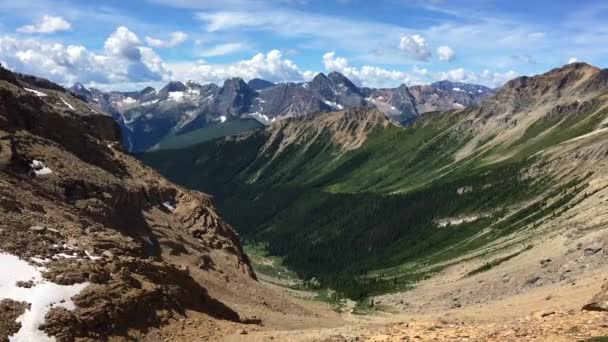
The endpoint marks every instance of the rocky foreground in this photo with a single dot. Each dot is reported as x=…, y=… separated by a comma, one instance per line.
x=93, y=244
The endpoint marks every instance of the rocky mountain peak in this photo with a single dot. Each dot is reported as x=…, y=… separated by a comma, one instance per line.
x=259, y=84
x=319, y=80
x=147, y=90
x=340, y=79
x=174, y=86
x=193, y=84
x=234, y=83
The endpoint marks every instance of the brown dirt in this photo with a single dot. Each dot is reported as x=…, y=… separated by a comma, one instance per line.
x=10, y=310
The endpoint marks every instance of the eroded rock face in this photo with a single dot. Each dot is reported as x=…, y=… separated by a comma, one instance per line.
x=102, y=218
x=599, y=302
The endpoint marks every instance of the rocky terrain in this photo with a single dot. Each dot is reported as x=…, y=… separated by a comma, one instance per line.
x=149, y=115
x=94, y=245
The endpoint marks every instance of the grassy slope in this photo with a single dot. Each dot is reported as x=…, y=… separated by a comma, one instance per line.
x=207, y=133
x=338, y=216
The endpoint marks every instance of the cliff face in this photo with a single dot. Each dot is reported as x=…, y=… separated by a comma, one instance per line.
x=74, y=202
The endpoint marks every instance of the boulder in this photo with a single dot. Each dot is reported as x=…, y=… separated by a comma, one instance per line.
x=593, y=248
x=599, y=302
x=38, y=229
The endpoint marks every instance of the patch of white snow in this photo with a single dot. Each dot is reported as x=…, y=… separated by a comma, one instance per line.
x=66, y=103
x=41, y=296
x=129, y=100
x=176, y=95
x=35, y=92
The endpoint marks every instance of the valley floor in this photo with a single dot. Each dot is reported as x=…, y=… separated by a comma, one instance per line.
x=548, y=313
x=535, y=296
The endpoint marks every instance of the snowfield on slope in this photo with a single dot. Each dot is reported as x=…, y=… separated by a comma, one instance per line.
x=41, y=296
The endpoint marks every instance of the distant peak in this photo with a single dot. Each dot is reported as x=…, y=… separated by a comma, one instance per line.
x=259, y=84
x=335, y=74
x=192, y=84
x=147, y=90
x=79, y=86
x=320, y=76
x=234, y=81
x=174, y=86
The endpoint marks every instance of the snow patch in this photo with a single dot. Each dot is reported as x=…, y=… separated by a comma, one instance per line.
x=129, y=100
x=456, y=221
x=66, y=103
x=222, y=119
x=333, y=104
x=169, y=206
x=91, y=256
x=192, y=91
x=261, y=118
x=41, y=296
x=176, y=95
x=456, y=89
x=37, y=169
x=149, y=103
x=35, y=92
x=458, y=105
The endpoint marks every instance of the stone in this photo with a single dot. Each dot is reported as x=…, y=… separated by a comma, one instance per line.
x=593, y=248
x=38, y=229
x=533, y=280
x=54, y=231
x=108, y=255
x=599, y=302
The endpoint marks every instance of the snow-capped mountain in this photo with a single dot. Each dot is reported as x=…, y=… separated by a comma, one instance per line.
x=148, y=115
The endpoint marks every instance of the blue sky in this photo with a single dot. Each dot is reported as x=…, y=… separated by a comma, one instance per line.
x=383, y=43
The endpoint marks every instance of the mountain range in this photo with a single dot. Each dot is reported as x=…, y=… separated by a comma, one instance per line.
x=155, y=118
x=368, y=206
x=449, y=219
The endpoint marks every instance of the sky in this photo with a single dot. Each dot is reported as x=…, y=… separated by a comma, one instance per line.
x=126, y=45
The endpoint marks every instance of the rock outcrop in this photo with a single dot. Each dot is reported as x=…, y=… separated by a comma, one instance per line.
x=599, y=302
x=103, y=218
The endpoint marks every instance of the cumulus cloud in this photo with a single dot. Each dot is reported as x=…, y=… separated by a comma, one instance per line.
x=370, y=76
x=271, y=66
x=416, y=46
x=487, y=77
x=123, y=61
x=446, y=53
x=175, y=39
x=47, y=24
x=123, y=43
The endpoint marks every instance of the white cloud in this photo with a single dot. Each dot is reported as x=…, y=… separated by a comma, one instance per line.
x=175, y=39
x=223, y=49
x=271, y=66
x=370, y=76
x=320, y=30
x=487, y=77
x=123, y=43
x=47, y=24
x=416, y=46
x=446, y=53
x=123, y=62
x=572, y=60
